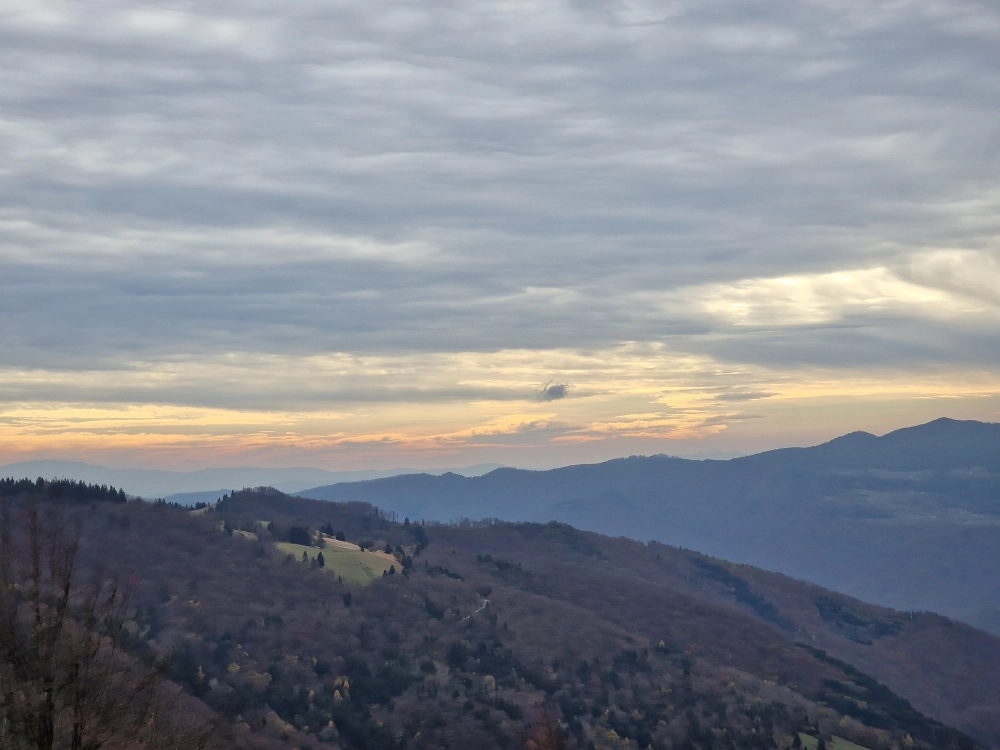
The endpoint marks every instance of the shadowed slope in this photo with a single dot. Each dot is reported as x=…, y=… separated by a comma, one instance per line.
x=911, y=519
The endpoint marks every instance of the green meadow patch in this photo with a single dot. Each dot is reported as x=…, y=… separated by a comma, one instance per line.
x=354, y=566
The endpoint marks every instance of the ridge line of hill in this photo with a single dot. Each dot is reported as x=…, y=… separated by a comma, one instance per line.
x=909, y=519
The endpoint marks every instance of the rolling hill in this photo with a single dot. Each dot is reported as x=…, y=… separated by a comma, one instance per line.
x=910, y=520
x=506, y=635
x=554, y=594
x=205, y=485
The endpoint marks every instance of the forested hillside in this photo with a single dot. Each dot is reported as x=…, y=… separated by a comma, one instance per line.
x=910, y=520
x=519, y=635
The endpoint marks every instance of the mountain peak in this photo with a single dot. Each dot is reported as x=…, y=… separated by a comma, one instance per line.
x=858, y=436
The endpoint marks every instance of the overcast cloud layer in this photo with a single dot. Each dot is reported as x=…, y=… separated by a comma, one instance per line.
x=285, y=229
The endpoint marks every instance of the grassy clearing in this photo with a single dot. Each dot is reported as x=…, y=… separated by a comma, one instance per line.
x=330, y=541
x=837, y=743
x=353, y=565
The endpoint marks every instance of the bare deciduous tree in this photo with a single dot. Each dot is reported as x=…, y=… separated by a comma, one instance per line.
x=66, y=682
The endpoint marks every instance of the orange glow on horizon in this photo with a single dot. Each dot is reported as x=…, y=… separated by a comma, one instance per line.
x=637, y=396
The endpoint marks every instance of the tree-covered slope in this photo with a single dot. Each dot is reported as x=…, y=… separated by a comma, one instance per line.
x=518, y=635
x=910, y=519
x=556, y=596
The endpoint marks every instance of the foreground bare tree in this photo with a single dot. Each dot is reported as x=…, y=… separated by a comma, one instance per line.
x=65, y=680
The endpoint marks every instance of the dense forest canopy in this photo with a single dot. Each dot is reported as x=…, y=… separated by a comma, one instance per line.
x=308, y=624
x=61, y=490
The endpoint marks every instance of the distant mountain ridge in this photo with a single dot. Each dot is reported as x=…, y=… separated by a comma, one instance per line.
x=941, y=444
x=910, y=519
x=192, y=486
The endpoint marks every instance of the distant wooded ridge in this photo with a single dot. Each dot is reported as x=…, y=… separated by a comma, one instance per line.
x=61, y=490
x=910, y=520
x=189, y=487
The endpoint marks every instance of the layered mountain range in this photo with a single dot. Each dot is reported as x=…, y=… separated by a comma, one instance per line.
x=910, y=520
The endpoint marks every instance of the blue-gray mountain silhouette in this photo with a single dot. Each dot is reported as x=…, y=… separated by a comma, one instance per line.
x=910, y=519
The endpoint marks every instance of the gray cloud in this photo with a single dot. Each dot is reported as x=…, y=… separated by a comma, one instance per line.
x=553, y=391
x=495, y=180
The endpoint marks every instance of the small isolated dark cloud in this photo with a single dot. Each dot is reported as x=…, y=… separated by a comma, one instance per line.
x=553, y=391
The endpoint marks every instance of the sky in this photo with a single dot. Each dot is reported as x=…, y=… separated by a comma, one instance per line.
x=431, y=233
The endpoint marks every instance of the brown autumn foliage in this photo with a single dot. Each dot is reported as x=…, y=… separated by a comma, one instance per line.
x=545, y=735
x=486, y=628
x=65, y=678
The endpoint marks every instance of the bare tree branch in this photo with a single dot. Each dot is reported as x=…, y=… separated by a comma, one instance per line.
x=66, y=681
